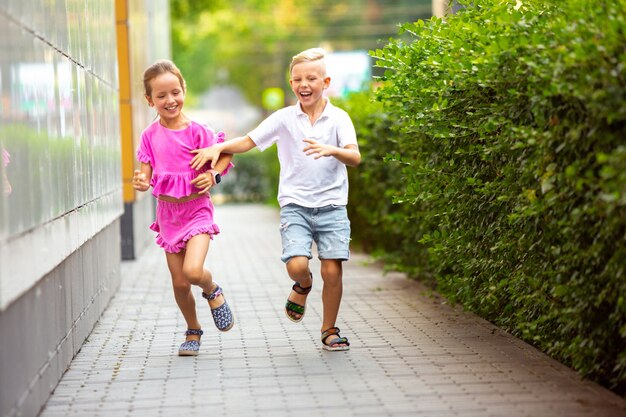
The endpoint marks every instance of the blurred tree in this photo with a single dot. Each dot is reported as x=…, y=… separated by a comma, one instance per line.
x=249, y=43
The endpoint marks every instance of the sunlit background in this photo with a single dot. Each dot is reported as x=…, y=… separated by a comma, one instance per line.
x=246, y=46
x=72, y=111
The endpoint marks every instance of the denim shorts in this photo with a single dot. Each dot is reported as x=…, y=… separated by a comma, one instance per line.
x=327, y=226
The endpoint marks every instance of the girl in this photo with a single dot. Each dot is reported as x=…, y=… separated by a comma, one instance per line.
x=184, y=217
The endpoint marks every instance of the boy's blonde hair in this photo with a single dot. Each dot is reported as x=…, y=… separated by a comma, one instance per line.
x=313, y=54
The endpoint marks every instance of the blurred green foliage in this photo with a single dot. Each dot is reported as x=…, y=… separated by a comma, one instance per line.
x=254, y=179
x=503, y=130
x=249, y=43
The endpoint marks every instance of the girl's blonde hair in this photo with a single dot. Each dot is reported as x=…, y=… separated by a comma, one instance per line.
x=161, y=67
x=313, y=54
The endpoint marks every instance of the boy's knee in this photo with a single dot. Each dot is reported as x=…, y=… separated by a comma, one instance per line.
x=298, y=265
x=332, y=272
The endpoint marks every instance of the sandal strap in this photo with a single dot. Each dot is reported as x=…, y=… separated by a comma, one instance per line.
x=216, y=293
x=302, y=290
x=295, y=308
x=194, y=332
x=330, y=332
x=334, y=331
x=338, y=341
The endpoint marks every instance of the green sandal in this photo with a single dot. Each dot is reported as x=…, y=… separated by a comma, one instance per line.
x=335, y=344
x=291, y=307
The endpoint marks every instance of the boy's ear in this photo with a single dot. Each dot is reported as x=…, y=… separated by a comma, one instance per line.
x=326, y=82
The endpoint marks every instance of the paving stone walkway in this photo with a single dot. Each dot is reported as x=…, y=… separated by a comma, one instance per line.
x=411, y=355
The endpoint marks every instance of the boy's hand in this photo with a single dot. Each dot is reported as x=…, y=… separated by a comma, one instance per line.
x=140, y=182
x=204, y=182
x=318, y=149
x=204, y=155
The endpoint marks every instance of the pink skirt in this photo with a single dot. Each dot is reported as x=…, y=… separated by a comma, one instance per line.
x=176, y=223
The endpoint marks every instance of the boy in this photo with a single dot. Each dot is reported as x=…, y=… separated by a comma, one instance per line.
x=316, y=141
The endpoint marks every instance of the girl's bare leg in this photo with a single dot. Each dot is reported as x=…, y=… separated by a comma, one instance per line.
x=182, y=291
x=193, y=267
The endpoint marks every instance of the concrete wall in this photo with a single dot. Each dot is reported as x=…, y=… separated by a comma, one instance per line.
x=61, y=195
x=71, y=111
x=44, y=328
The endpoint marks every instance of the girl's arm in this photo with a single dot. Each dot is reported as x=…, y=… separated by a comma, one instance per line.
x=142, y=176
x=222, y=162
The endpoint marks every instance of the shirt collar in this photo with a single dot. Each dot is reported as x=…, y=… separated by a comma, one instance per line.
x=300, y=112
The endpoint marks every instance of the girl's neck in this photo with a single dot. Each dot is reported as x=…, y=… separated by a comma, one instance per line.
x=179, y=123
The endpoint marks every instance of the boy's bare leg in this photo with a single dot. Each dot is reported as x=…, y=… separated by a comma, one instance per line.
x=182, y=292
x=332, y=272
x=298, y=271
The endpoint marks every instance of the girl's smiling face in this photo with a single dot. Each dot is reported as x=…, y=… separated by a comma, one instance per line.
x=167, y=96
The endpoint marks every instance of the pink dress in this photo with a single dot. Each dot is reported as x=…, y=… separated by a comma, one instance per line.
x=168, y=153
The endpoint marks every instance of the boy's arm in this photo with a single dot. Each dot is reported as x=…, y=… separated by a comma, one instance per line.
x=212, y=153
x=206, y=180
x=348, y=155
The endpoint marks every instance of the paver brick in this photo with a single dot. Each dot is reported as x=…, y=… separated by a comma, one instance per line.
x=412, y=354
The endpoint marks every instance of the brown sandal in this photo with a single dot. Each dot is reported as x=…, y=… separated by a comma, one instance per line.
x=291, y=307
x=335, y=344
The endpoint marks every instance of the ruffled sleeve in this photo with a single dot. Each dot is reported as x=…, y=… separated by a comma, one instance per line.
x=144, y=152
x=209, y=138
x=219, y=138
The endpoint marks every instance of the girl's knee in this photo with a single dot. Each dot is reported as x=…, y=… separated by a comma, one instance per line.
x=181, y=286
x=194, y=275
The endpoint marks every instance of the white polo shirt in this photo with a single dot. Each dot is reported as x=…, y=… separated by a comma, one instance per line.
x=304, y=180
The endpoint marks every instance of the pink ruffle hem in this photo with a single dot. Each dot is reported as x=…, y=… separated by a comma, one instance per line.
x=211, y=230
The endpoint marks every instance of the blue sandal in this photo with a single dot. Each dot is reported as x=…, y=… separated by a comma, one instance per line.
x=191, y=347
x=222, y=316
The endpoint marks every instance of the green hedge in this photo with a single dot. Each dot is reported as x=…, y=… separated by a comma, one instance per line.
x=504, y=129
x=254, y=178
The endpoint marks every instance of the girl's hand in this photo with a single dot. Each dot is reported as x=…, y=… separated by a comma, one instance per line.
x=318, y=149
x=204, y=182
x=140, y=182
x=204, y=155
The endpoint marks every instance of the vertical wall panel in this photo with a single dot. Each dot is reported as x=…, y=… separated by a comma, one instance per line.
x=61, y=188
x=61, y=135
